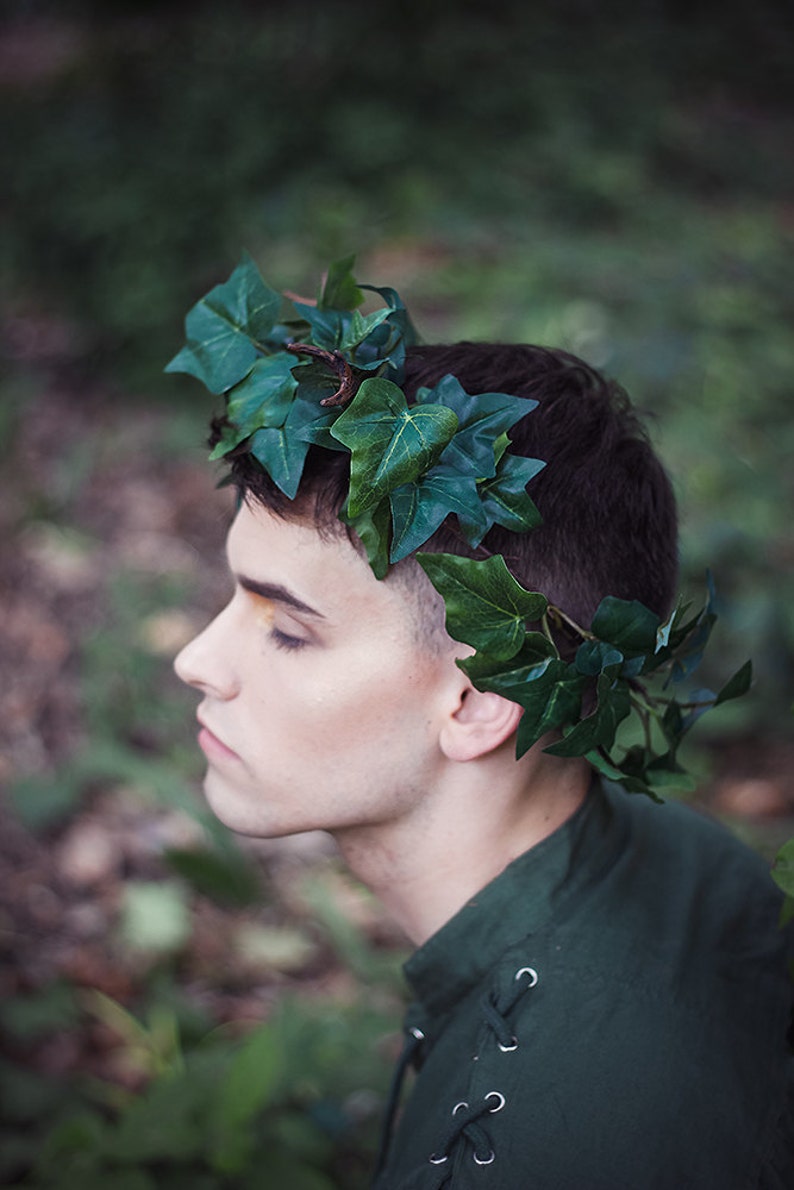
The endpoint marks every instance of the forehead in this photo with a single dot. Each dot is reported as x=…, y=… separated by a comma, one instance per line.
x=325, y=572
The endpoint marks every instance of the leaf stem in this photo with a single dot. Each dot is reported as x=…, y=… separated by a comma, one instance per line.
x=564, y=618
x=337, y=362
x=642, y=699
x=644, y=712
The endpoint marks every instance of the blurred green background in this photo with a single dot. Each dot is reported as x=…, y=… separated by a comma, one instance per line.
x=612, y=178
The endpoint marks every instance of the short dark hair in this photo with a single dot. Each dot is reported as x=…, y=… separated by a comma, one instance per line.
x=609, y=516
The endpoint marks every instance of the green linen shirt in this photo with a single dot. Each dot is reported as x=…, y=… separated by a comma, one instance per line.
x=610, y=1013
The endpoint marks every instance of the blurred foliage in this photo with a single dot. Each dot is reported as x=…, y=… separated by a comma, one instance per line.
x=611, y=178
x=294, y=1103
x=161, y=139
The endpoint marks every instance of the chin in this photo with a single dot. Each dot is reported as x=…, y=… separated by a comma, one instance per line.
x=237, y=813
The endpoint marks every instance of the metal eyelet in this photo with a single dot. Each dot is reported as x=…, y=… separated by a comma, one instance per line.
x=508, y=1049
x=437, y=1160
x=495, y=1095
x=531, y=972
x=457, y=1107
x=417, y=1033
x=490, y=1159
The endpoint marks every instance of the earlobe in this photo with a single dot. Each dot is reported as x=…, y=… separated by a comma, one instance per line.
x=481, y=724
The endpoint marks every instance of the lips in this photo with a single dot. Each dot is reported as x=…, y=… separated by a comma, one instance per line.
x=212, y=746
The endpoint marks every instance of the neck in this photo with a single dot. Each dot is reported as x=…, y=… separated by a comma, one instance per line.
x=482, y=814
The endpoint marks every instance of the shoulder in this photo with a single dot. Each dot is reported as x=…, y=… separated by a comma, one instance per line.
x=655, y=1037
x=621, y=1077
x=677, y=875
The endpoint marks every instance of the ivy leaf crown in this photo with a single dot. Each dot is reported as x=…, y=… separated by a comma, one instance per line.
x=295, y=373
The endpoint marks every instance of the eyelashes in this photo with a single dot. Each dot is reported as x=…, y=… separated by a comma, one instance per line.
x=265, y=612
x=283, y=641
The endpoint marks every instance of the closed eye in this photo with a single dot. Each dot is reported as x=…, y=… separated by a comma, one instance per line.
x=283, y=640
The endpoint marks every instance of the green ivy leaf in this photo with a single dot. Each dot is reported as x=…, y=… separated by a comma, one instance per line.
x=663, y=634
x=391, y=339
x=390, y=442
x=281, y=457
x=688, y=639
x=361, y=328
x=689, y=658
x=418, y=509
x=634, y=666
x=507, y=677
x=736, y=686
x=595, y=657
x=282, y=333
x=679, y=626
x=482, y=420
x=698, y=702
x=486, y=607
x=626, y=624
x=372, y=528
x=310, y=422
x=505, y=499
x=549, y=690
x=673, y=778
x=264, y=396
x=282, y=450
x=327, y=328
x=641, y=764
x=477, y=452
x=262, y=399
x=679, y=717
x=230, y=437
x=340, y=291
x=630, y=782
x=598, y=729
x=551, y=700
x=226, y=327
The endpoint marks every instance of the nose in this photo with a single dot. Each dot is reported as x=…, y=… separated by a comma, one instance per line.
x=206, y=662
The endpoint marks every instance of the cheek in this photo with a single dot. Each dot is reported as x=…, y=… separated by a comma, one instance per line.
x=340, y=700
x=368, y=705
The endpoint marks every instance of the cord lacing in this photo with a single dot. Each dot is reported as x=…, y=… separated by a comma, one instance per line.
x=495, y=1008
x=465, y=1117
x=494, y=1018
x=465, y=1124
x=413, y=1040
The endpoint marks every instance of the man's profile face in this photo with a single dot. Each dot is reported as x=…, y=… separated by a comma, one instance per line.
x=321, y=708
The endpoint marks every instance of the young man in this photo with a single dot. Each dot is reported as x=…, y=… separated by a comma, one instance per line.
x=600, y=992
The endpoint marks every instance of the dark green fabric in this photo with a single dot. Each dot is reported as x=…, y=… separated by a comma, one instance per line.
x=651, y=1050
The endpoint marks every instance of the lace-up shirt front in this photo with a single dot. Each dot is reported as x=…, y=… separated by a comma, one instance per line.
x=610, y=1013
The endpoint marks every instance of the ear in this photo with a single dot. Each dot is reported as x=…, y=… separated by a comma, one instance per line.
x=481, y=724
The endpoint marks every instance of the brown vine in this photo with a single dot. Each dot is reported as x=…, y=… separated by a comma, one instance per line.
x=348, y=386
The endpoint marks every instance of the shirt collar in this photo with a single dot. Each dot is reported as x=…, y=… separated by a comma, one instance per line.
x=516, y=903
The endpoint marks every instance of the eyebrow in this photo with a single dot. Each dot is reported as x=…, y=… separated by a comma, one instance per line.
x=278, y=594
